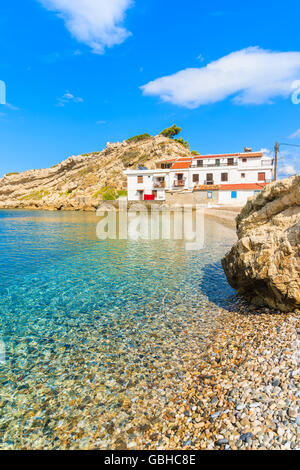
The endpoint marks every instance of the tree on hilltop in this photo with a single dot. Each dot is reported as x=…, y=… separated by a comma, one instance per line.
x=171, y=131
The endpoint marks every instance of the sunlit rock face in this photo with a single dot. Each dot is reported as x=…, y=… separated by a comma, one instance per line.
x=80, y=182
x=264, y=264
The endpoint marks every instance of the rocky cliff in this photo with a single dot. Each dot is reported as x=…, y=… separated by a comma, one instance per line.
x=82, y=182
x=264, y=265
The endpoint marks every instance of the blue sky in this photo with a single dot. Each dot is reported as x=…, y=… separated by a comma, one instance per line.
x=79, y=73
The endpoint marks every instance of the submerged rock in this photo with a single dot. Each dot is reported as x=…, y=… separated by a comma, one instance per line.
x=263, y=265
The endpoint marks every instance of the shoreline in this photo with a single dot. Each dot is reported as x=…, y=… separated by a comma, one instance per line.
x=225, y=216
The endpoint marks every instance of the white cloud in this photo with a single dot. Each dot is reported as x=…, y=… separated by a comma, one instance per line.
x=267, y=152
x=68, y=98
x=288, y=160
x=295, y=135
x=250, y=76
x=287, y=170
x=97, y=23
x=11, y=107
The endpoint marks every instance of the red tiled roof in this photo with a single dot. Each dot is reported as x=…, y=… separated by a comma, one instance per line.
x=243, y=186
x=251, y=154
x=181, y=165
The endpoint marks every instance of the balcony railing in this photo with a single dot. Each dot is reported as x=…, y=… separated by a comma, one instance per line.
x=158, y=184
x=179, y=183
x=213, y=165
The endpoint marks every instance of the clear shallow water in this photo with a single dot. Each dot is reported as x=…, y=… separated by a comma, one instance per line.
x=98, y=334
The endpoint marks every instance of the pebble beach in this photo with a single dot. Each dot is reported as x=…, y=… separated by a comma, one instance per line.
x=245, y=393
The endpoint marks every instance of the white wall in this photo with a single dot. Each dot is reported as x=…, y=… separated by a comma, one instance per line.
x=234, y=175
x=232, y=172
x=251, y=162
x=147, y=186
x=242, y=196
x=251, y=175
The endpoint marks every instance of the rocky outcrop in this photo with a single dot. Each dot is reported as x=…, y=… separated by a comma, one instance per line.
x=264, y=265
x=79, y=182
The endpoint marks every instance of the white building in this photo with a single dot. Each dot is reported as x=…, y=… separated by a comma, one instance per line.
x=220, y=179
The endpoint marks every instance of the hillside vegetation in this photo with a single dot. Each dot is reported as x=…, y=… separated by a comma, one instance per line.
x=82, y=182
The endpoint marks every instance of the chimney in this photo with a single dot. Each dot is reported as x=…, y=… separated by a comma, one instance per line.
x=247, y=149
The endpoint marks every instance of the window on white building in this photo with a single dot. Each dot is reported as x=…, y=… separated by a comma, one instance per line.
x=209, y=178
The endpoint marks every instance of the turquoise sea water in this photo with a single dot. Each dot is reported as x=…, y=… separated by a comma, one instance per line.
x=93, y=331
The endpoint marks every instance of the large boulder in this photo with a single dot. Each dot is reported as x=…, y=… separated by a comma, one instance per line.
x=264, y=265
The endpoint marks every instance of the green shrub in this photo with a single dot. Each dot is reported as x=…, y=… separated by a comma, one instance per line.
x=182, y=142
x=138, y=138
x=122, y=192
x=12, y=173
x=108, y=193
x=171, y=131
x=194, y=152
x=97, y=194
x=35, y=195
